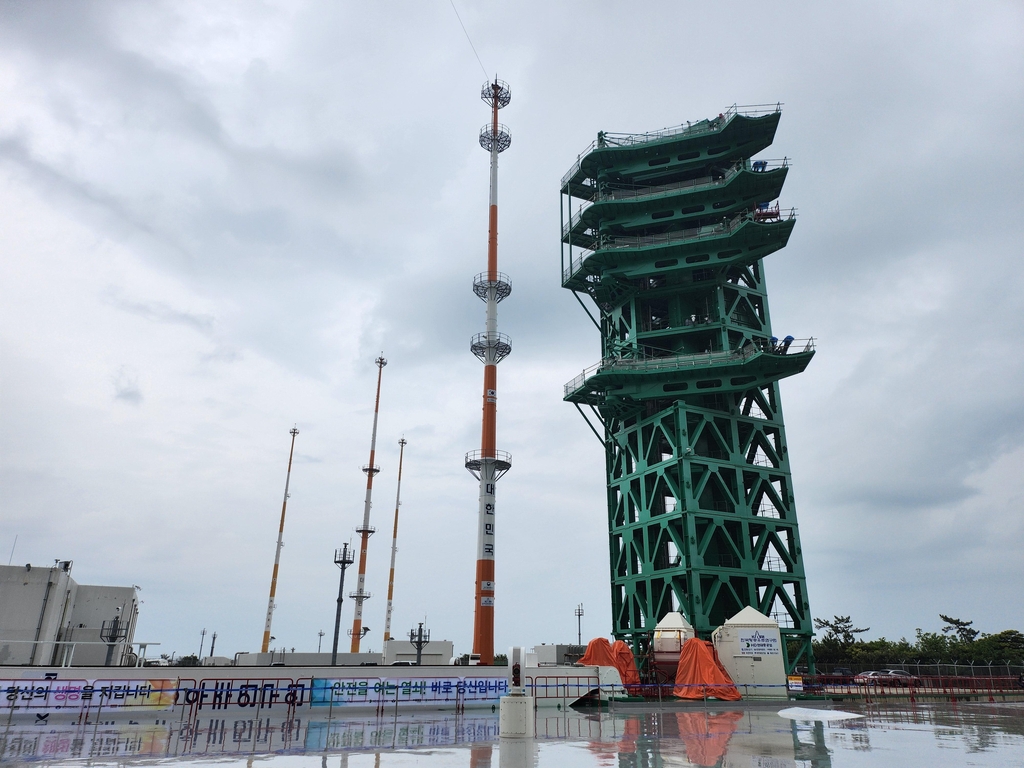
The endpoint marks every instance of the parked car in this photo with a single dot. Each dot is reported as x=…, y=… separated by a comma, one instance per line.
x=887, y=677
x=841, y=675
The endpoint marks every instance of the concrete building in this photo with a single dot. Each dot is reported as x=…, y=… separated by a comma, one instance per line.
x=435, y=653
x=47, y=618
x=548, y=655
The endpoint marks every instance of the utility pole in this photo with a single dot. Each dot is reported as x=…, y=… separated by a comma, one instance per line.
x=488, y=464
x=394, y=542
x=579, y=624
x=114, y=631
x=343, y=559
x=280, y=543
x=365, y=531
x=213, y=643
x=202, y=641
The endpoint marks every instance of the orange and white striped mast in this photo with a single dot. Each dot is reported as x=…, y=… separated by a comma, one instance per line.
x=488, y=464
x=280, y=544
x=394, y=542
x=365, y=531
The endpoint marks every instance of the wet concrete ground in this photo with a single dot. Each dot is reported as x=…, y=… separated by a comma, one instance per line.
x=629, y=736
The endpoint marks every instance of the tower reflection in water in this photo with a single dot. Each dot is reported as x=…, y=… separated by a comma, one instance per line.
x=725, y=736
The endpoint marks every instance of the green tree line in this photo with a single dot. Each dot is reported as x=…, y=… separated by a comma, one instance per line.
x=957, y=642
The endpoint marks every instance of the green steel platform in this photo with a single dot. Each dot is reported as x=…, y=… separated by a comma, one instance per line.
x=666, y=232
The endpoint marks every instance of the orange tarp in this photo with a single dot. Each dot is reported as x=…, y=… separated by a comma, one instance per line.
x=626, y=665
x=707, y=736
x=599, y=653
x=700, y=674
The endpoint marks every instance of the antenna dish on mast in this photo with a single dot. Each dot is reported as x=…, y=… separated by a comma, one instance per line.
x=489, y=139
x=497, y=91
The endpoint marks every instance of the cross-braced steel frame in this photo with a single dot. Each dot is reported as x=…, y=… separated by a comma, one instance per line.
x=668, y=238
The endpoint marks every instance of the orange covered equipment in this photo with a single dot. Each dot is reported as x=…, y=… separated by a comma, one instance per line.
x=601, y=653
x=626, y=665
x=700, y=674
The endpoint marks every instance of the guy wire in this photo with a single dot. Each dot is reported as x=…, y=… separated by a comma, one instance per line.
x=484, y=69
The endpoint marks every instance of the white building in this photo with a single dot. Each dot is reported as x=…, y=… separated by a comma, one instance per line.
x=46, y=618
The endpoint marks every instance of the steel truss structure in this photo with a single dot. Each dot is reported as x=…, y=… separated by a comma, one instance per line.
x=667, y=233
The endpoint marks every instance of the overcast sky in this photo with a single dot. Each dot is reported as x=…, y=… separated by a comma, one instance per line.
x=213, y=216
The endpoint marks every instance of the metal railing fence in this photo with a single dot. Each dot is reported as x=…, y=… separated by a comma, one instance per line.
x=609, y=242
x=703, y=359
x=711, y=125
x=634, y=191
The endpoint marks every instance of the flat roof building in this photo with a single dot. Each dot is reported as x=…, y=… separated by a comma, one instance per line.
x=48, y=619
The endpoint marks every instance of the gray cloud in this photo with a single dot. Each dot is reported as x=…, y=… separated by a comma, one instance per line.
x=159, y=312
x=126, y=387
x=291, y=188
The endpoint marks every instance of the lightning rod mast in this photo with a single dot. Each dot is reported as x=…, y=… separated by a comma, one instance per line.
x=280, y=543
x=394, y=541
x=365, y=531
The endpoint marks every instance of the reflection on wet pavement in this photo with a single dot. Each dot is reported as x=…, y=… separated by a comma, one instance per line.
x=631, y=736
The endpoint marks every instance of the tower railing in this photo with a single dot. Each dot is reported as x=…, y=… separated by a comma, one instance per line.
x=617, y=191
x=609, y=242
x=649, y=364
x=632, y=192
x=711, y=125
x=482, y=284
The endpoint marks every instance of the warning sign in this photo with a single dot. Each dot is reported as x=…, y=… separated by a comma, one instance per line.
x=753, y=642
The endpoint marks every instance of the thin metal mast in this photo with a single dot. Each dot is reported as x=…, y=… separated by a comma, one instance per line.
x=489, y=464
x=394, y=541
x=280, y=544
x=365, y=531
x=343, y=559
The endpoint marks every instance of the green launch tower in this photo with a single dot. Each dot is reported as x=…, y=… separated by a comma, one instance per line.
x=667, y=233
